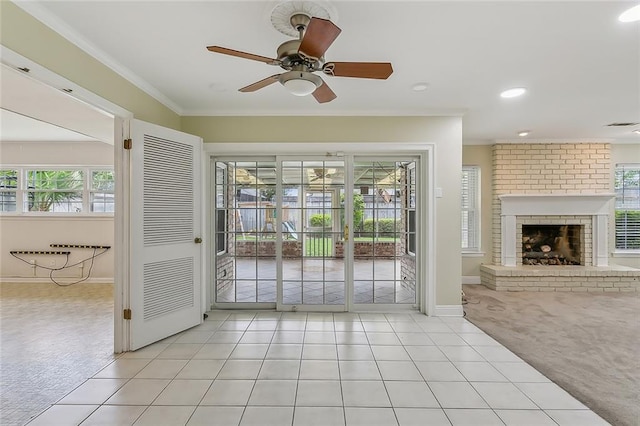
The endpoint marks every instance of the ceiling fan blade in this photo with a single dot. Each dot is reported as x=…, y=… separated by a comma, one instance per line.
x=260, y=84
x=245, y=55
x=379, y=70
x=318, y=37
x=324, y=93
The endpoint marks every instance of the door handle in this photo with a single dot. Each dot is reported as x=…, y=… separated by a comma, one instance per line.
x=346, y=232
x=197, y=240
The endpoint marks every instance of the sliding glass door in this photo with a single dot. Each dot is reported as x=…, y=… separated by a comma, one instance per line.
x=384, y=215
x=315, y=233
x=313, y=223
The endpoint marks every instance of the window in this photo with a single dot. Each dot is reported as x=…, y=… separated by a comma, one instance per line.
x=221, y=208
x=627, y=214
x=102, y=191
x=470, y=208
x=411, y=209
x=8, y=190
x=56, y=190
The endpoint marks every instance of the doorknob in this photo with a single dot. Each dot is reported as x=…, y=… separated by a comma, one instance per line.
x=197, y=240
x=346, y=232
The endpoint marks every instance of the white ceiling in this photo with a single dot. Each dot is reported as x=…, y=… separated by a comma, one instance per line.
x=20, y=128
x=581, y=66
x=31, y=111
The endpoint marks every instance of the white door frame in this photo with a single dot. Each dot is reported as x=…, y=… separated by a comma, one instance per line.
x=426, y=187
x=121, y=169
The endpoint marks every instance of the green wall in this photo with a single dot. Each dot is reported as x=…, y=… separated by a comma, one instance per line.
x=314, y=129
x=444, y=132
x=481, y=156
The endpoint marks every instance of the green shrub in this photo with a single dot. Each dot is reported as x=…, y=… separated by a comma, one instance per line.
x=382, y=227
x=320, y=219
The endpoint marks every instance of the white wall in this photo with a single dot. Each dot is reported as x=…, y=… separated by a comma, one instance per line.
x=30, y=233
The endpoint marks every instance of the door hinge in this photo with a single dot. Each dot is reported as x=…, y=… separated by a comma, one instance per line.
x=127, y=314
x=128, y=143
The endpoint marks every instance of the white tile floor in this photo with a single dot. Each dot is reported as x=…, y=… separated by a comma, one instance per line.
x=266, y=368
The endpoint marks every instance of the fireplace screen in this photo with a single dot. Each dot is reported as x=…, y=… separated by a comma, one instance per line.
x=551, y=244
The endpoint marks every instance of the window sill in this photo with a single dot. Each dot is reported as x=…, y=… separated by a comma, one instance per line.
x=473, y=254
x=626, y=253
x=56, y=216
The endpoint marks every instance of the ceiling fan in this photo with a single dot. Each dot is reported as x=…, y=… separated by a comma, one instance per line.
x=302, y=57
x=322, y=174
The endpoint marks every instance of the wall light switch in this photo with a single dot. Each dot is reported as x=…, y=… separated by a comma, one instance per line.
x=439, y=193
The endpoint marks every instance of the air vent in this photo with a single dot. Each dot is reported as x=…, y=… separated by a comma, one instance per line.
x=622, y=124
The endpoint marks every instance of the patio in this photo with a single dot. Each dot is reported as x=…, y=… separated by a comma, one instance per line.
x=318, y=281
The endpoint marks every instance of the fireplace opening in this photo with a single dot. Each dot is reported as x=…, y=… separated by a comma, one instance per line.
x=551, y=245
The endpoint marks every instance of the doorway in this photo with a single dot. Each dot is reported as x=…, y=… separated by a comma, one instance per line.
x=315, y=233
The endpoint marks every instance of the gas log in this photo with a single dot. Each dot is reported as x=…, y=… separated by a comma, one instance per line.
x=550, y=245
x=546, y=258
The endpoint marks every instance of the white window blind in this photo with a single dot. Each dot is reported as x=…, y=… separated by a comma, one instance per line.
x=627, y=215
x=470, y=208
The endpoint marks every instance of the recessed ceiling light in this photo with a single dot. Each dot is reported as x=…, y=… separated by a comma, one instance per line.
x=637, y=131
x=512, y=93
x=523, y=133
x=419, y=87
x=630, y=15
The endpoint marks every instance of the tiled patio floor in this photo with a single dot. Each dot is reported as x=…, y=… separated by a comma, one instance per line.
x=323, y=282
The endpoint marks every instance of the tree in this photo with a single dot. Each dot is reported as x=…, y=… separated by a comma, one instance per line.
x=268, y=194
x=49, y=188
x=358, y=210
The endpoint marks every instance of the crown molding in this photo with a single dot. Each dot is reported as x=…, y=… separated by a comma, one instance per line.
x=333, y=113
x=56, y=24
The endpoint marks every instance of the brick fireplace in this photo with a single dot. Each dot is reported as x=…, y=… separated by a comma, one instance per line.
x=553, y=186
x=588, y=212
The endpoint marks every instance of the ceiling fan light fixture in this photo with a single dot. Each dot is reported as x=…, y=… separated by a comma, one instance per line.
x=300, y=83
x=300, y=87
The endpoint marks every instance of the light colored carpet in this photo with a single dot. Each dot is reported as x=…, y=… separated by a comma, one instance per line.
x=589, y=344
x=52, y=339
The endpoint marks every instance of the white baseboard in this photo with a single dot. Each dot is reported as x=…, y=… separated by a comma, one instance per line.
x=449, y=311
x=471, y=279
x=45, y=280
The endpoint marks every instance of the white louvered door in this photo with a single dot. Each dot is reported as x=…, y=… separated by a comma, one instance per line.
x=165, y=286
